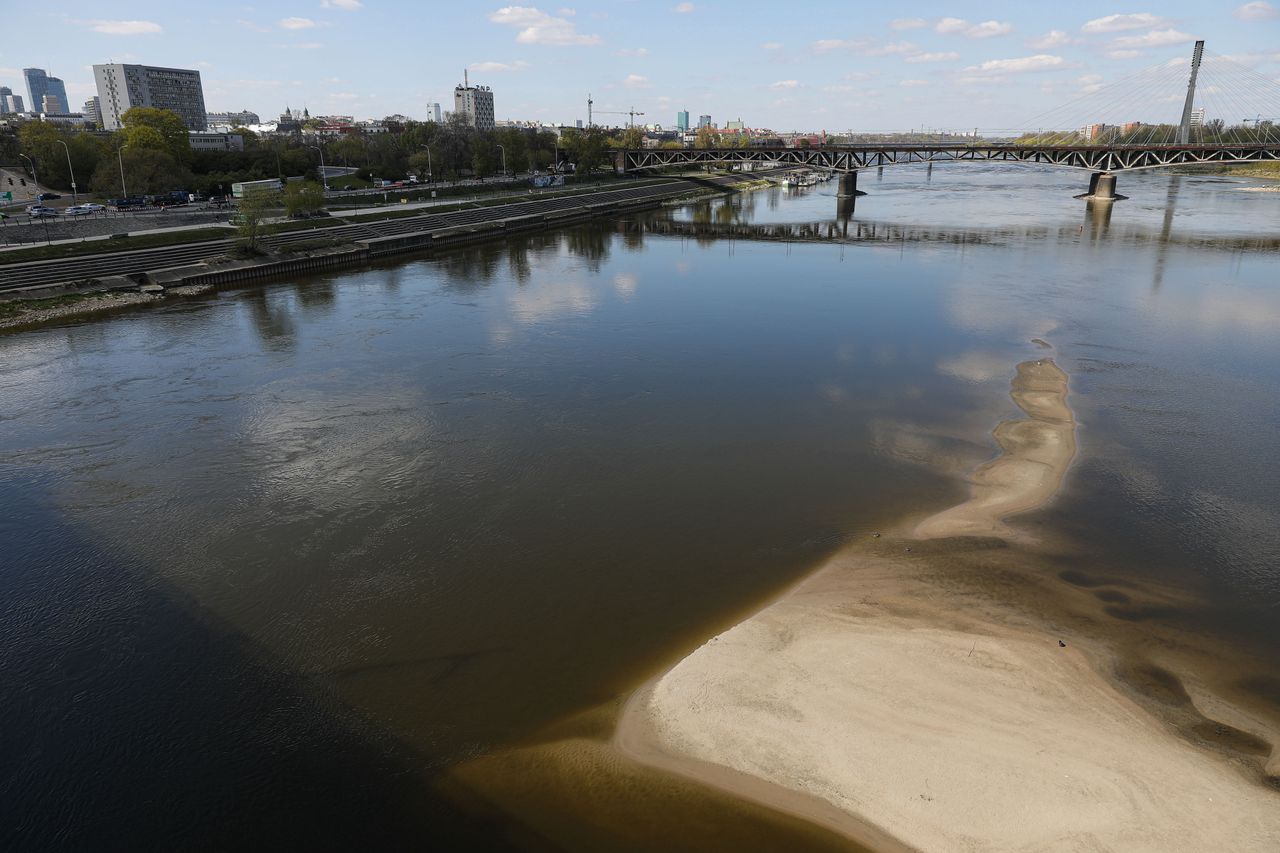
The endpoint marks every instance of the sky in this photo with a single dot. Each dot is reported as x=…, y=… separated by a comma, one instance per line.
x=787, y=66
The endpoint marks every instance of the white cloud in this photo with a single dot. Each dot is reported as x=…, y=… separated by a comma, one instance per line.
x=1090, y=83
x=684, y=8
x=907, y=23
x=913, y=84
x=959, y=26
x=345, y=5
x=1155, y=38
x=1259, y=11
x=1053, y=38
x=828, y=45
x=537, y=27
x=1123, y=54
x=298, y=23
x=772, y=45
x=932, y=57
x=566, y=12
x=636, y=81
x=782, y=85
x=638, y=52
x=495, y=67
x=1039, y=62
x=1117, y=23
x=125, y=28
x=897, y=47
x=987, y=29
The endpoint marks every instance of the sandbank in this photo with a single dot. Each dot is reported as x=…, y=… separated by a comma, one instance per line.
x=879, y=700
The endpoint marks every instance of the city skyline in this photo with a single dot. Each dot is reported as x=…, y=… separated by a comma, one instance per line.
x=945, y=67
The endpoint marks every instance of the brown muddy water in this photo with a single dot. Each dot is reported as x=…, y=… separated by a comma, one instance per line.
x=320, y=564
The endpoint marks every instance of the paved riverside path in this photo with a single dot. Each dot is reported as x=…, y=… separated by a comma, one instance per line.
x=37, y=274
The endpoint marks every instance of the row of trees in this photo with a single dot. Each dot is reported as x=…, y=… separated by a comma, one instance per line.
x=152, y=154
x=1210, y=133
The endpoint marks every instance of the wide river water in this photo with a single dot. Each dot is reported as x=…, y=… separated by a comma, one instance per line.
x=276, y=560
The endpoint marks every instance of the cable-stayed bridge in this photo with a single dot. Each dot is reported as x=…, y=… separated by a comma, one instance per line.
x=1230, y=114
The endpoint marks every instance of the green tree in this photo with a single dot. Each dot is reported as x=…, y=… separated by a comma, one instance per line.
x=483, y=159
x=586, y=148
x=250, y=138
x=165, y=122
x=303, y=197
x=141, y=136
x=632, y=137
x=251, y=212
x=146, y=170
x=706, y=138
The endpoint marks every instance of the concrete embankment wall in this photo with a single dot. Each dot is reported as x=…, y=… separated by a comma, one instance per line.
x=20, y=230
x=379, y=247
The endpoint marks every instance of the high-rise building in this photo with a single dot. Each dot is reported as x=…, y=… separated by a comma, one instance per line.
x=122, y=87
x=13, y=104
x=682, y=120
x=51, y=105
x=474, y=104
x=433, y=112
x=1197, y=117
x=5, y=92
x=92, y=110
x=704, y=121
x=38, y=86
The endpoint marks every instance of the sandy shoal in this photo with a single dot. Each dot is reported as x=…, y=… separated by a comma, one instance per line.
x=878, y=701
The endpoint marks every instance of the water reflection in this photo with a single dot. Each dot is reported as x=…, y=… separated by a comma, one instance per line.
x=272, y=318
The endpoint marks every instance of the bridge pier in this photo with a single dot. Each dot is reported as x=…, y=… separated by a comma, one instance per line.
x=848, y=186
x=1102, y=187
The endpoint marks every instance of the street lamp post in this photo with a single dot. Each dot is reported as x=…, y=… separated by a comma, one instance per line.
x=75, y=199
x=324, y=175
x=35, y=180
x=124, y=191
x=504, y=160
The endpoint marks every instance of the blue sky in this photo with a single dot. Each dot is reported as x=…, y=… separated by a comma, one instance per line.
x=806, y=65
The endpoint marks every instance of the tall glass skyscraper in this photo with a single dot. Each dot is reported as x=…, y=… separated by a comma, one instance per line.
x=682, y=120
x=39, y=84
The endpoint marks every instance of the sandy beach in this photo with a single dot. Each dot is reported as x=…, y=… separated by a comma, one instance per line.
x=884, y=701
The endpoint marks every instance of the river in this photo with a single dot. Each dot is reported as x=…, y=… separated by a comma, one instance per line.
x=277, y=561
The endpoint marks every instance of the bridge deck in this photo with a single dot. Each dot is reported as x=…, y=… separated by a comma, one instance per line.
x=849, y=158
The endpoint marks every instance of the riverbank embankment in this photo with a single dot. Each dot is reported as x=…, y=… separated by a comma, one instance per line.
x=43, y=291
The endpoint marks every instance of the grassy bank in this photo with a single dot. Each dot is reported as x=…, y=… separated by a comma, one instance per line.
x=1269, y=169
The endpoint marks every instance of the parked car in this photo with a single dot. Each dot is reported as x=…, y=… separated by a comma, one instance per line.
x=38, y=211
x=93, y=207
x=83, y=210
x=48, y=196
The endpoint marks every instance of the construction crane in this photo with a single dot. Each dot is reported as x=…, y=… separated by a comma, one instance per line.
x=632, y=113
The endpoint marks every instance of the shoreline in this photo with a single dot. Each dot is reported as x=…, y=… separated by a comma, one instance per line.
x=884, y=700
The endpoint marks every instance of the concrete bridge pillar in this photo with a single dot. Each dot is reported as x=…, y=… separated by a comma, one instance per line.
x=848, y=187
x=1102, y=187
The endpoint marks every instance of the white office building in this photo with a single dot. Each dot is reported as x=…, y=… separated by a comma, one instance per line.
x=121, y=87
x=475, y=104
x=433, y=112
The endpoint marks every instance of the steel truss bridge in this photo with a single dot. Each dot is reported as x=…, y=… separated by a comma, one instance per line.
x=1095, y=158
